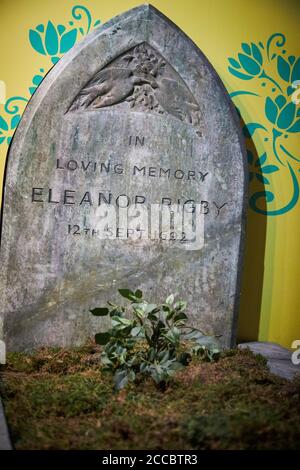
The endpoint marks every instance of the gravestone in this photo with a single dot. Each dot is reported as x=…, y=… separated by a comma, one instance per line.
x=133, y=116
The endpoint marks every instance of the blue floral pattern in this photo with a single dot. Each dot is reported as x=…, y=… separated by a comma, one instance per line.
x=282, y=118
x=55, y=40
x=251, y=63
x=52, y=41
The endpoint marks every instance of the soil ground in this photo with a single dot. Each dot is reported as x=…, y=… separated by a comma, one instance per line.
x=61, y=399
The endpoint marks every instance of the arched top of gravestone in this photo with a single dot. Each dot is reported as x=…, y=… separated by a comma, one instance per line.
x=141, y=61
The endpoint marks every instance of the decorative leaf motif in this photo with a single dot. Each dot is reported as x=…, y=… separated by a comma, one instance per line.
x=36, y=42
x=68, y=40
x=280, y=101
x=234, y=63
x=15, y=121
x=246, y=48
x=249, y=129
x=250, y=157
x=262, y=179
x=291, y=59
x=261, y=160
x=37, y=79
x=249, y=64
x=61, y=28
x=256, y=53
x=239, y=74
x=269, y=169
x=271, y=110
x=296, y=71
x=284, y=69
x=295, y=127
x=46, y=41
x=51, y=39
x=3, y=124
x=286, y=116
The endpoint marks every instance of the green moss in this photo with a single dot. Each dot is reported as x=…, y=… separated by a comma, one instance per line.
x=60, y=399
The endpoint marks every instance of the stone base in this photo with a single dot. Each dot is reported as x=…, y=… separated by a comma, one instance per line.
x=278, y=357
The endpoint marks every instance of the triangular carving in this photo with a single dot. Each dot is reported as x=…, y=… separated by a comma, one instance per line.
x=143, y=79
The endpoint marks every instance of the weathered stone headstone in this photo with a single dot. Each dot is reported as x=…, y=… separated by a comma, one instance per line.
x=133, y=115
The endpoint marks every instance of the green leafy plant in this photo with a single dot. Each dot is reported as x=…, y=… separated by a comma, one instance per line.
x=150, y=339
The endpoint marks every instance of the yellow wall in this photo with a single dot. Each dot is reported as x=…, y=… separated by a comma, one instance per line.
x=270, y=300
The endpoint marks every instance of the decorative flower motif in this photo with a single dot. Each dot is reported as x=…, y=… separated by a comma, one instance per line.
x=55, y=41
x=7, y=130
x=258, y=168
x=283, y=114
x=258, y=61
x=250, y=61
x=52, y=41
x=289, y=70
x=37, y=79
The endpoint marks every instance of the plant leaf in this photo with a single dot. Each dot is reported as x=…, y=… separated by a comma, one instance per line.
x=121, y=378
x=138, y=293
x=127, y=294
x=99, y=312
x=180, y=316
x=102, y=338
x=180, y=305
x=136, y=331
x=170, y=299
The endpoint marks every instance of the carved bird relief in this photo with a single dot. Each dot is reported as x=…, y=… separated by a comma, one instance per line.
x=112, y=86
x=144, y=79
